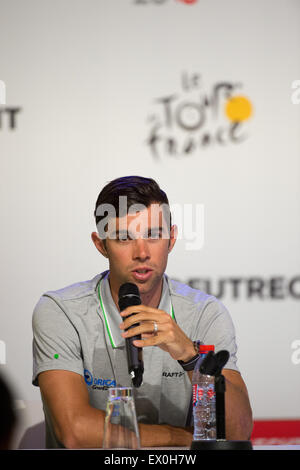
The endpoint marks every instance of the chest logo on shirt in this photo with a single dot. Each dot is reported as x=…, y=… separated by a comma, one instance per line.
x=172, y=374
x=97, y=383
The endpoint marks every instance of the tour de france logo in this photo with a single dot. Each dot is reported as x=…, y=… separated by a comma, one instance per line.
x=198, y=117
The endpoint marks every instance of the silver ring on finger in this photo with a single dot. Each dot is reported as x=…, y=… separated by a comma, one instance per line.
x=155, y=328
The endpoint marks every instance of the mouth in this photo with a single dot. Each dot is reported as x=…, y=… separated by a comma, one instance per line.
x=142, y=274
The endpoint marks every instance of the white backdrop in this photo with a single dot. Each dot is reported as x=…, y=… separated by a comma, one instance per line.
x=88, y=85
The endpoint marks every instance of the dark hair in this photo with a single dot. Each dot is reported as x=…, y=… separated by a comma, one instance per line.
x=137, y=189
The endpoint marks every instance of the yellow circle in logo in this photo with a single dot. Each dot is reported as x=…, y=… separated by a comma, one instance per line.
x=238, y=108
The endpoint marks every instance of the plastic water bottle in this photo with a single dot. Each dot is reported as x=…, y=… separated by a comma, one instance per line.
x=204, y=400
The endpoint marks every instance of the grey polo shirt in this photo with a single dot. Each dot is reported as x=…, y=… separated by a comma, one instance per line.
x=74, y=331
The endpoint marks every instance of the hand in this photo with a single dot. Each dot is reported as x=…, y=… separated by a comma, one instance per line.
x=168, y=336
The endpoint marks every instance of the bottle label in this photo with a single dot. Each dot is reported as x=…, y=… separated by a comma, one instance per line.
x=199, y=394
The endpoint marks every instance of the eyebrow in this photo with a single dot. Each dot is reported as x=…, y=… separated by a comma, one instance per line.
x=116, y=234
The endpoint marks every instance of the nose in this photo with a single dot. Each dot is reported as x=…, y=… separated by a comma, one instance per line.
x=140, y=249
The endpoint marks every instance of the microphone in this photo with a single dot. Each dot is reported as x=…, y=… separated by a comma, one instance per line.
x=129, y=295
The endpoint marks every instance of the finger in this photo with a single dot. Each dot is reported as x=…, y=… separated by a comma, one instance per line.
x=155, y=340
x=132, y=309
x=139, y=308
x=142, y=343
x=147, y=335
x=142, y=328
x=143, y=317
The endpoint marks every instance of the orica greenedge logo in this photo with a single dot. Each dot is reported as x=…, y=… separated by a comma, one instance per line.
x=97, y=383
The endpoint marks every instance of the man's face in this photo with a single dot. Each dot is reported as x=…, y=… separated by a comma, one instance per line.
x=137, y=247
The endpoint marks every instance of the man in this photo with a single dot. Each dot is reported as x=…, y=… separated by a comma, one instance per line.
x=79, y=332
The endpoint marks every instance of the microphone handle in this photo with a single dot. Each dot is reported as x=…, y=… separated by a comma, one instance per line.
x=135, y=359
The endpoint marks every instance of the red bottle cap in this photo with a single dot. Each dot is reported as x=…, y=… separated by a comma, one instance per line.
x=204, y=348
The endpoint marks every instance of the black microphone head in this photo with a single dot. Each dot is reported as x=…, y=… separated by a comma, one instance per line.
x=209, y=365
x=129, y=294
x=213, y=363
x=128, y=288
x=222, y=358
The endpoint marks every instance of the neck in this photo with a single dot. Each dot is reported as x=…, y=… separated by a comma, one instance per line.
x=150, y=299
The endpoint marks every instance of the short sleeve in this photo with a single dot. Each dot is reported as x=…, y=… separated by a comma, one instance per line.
x=217, y=328
x=56, y=344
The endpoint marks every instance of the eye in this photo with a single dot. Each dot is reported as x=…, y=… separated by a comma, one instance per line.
x=124, y=238
x=155, y=235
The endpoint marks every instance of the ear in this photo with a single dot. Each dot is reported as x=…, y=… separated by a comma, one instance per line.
x=173, y=237
x=99, y=244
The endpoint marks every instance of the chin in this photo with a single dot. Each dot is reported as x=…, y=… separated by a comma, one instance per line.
x=147, y=287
